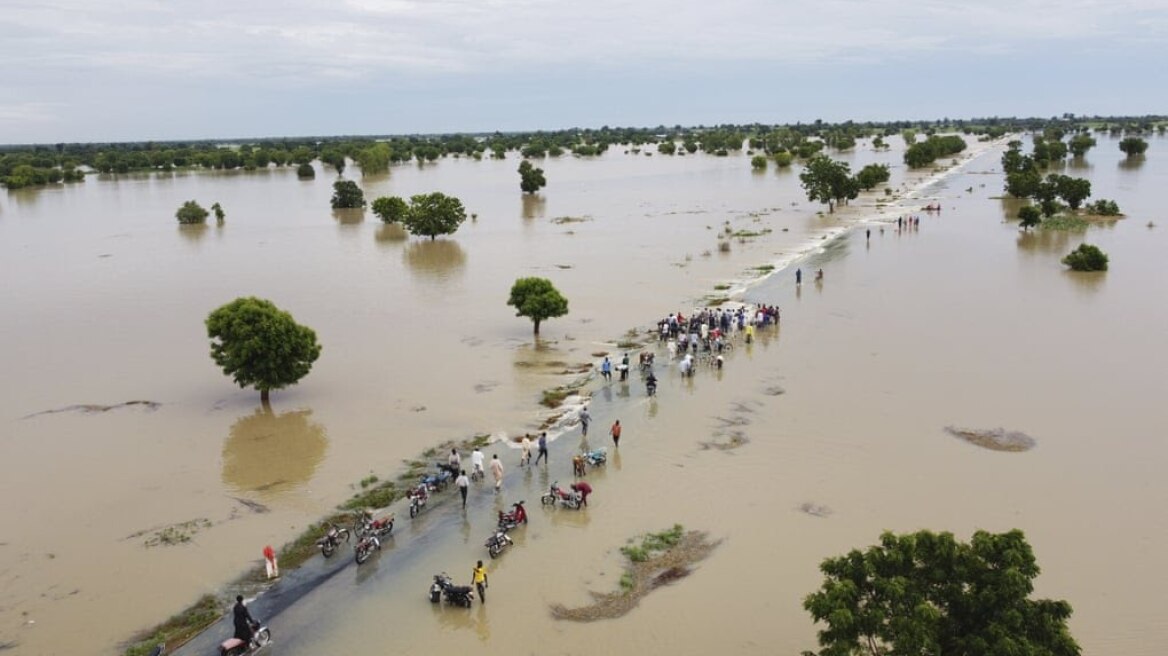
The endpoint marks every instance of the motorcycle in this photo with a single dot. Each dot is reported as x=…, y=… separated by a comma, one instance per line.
x=651, y=387
x=329, y=542
x=418, y=498
x=498, y=541
x=260, y=638
x=565, y=497
x=452, y=470
x=457, y=595
x=366, y=525
x=437, y=481
x=595, y=458
x=365, y=547
x=517, y=516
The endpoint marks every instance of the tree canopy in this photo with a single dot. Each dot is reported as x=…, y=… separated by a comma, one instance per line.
x=531, y=179
x=1030, y=216
x=191, y=213
x=1132, y=146
x=537, y=299
x=346, y=194
x=828, y=181
x=927, y=593
x=434, y=214
x=1086, y=258
x=390, y=209
x=872, y=175
x=261, y=346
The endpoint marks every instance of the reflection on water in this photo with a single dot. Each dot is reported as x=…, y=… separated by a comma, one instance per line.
x=390, y=233
x=193, y=233
x=1047, y=241
x=1086, y=282
x=1132, y=163
x=270, y=453
x=1010, y=207
x=438, y=258
x=534, y=206
x=349, y=216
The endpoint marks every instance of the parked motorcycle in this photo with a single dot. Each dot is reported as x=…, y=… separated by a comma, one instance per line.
x=260, y=638
x=332, y=538
x=517, y=516
x=457, y=595
x=365, y=547
x=418, y=498
x=565, y=497
x=366, y=525
x=596, y=457
x=438, y=481
x=498, y=541
x=651, y=385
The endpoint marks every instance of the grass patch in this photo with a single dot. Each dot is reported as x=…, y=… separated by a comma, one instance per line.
x=764, y=268
x=179, y=628
x=368, y=480
x=750, y=234
x=376, y=497
x=554, y=397
x=1063, y=222
x=721, y=288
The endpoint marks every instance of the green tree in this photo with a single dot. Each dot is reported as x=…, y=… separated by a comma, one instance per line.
x=1030, y=216
x=305, y=171
x=1073, y=191
x=1081, y=143
x=1104, y=207
x=530, y=178
x=261, y=346
x=872, y=175
x=927, y=593
x=758, y=162
x=347, y=194
x=220, y=215
x=1086, y=258
x=783, y=159
x=191, y=213
x=828, y=181
x=537, y=299
x=434, y=214
x=390, y=209
x=1133, y=146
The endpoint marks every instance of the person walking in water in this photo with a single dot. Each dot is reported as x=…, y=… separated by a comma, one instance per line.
x=798, y=276
x=479, y=576
x=497, y=472
x=615, y=431
x=476, y=461
x=525, y=446
x=543, y=454
x=463, y=484
x=606, y=369
x=585, y=419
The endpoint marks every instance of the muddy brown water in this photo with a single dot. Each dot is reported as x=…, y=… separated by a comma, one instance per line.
x=962, y=322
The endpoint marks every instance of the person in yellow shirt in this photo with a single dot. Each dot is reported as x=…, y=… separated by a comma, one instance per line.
x=479, y=576
x=749, y=333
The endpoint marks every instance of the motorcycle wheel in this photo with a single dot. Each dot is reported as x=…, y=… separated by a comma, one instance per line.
x=547, y=499
x=363, y=554
x=343, y=533
x=262, y=637
x=413, y=510
x=494, y=550
x=328, y=549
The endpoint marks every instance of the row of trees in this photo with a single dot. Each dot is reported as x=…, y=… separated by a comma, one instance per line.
x=924, y=153
x=192, y=213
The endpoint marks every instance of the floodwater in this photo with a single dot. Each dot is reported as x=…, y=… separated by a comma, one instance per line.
x=962, y=322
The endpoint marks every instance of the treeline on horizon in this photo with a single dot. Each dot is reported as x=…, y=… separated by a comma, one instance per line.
x=41, y=164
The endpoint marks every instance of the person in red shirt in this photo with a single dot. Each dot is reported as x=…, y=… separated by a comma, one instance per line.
x=583, y=489
x=270, y=562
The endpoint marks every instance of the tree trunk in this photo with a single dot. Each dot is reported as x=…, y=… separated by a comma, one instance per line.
x=264, y=397
x=536, y=323
x=830, y=207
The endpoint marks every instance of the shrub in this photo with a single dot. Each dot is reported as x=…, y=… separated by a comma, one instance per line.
x=758, y=162
x=191, y=213
x=1086, y=258
x=305, y=172
x=1104, y=207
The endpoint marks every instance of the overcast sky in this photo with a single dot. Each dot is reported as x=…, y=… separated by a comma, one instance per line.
x=95, y=70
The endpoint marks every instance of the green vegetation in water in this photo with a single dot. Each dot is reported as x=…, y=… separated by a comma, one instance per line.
x=179, y=628
x=750, y=234
x=659, y=559
x=1063, y=222
x=1103, y=207
x=721, y=287
x=1086, y=258
x=764, y=268
x=368, y=480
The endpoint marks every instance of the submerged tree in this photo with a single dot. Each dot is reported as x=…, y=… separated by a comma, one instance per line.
x=872, y=175
x=828, y=181
x=260, y=345
x=346, y=194
x=1086, y=258
x=1030, y=216
x=537, y=299
x=434, y=214
x=390, y=209
x=1132, y=146
x=531, y=179
x=220, y=215
x=191, y=213
x=927, y=593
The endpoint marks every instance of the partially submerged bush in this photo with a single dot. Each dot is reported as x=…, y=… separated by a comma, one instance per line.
x=1086, y=258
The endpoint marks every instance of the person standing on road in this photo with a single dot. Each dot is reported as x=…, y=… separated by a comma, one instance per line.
x=479, y=576
x=798, y=276
x=270, y=563
x=543, y=452
x=615, y=431
x=606, y=369
x=585, y=419
x=463, y=483
x=497, y=472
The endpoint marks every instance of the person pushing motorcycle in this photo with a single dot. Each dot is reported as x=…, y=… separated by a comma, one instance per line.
x=243, y=620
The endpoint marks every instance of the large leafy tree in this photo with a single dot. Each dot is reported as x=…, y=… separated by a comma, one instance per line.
x=1072, y=190
x=390, y=209
x=531, y=179
x=434, y=214
x=828, y=181
x=191, y=213
x=1132, y=146
x=1030, y=216
x=872, y=175
x=927, y=593
x=260, y=345
x=347, y=194
x=537, y=299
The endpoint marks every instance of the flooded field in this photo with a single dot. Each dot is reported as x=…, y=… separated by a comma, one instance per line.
x=962, y=322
